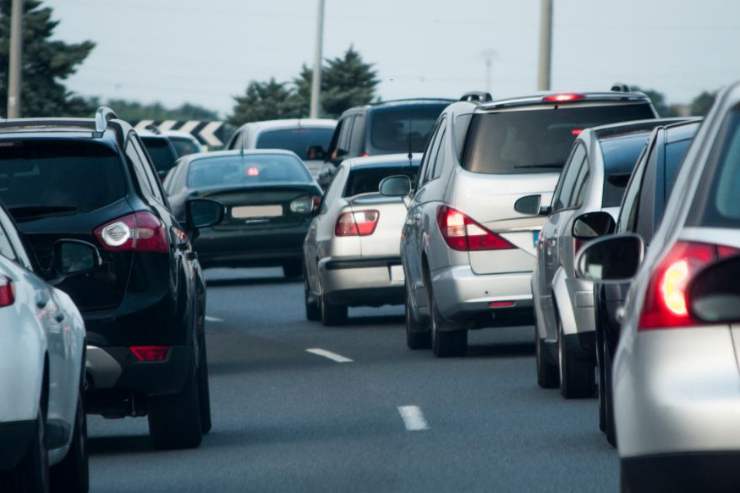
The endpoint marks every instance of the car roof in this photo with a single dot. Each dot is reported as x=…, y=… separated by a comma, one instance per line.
x=238, y=152
x=538, y=99
x=293, y=123
x=63, y=128
x=621, y=129
x=397, y=103
x=178, y=134
x=381, y=161
x=682, y=131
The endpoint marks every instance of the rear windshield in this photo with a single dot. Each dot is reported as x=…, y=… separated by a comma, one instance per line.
x=41, y=178
x=367, y=180
x=184, y=146
x=260, y=169
x=297, y=140
x=404, y=129
x=161, y=153
x=536, y=140
x=620, y=156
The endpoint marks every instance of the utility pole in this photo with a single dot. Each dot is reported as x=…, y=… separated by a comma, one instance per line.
x=16, y=54
x=488, y=57
x=545, y=66
x=316, y=80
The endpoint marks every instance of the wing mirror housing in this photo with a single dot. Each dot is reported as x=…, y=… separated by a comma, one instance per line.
x=202, y=213
x=613, y=259
x=75, y=257
x=714, y=293
x=591, y=225
x=531, y=205
x=395, y=186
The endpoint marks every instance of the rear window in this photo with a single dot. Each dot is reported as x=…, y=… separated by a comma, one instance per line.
x=40, y=178
x=184, y=146
x=404, y=129
x=161, y=153
x=297, y=140
x=620, y=156
x=258, y=169
x=536, y=140
x=368, y=180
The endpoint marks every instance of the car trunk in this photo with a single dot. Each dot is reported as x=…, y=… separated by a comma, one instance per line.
x=386, y=239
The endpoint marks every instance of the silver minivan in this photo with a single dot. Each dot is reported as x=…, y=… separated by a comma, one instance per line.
x=469, y=242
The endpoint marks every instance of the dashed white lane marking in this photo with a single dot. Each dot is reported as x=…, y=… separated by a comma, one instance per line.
x=328, y=354
x=413, y=418
x=213, y=319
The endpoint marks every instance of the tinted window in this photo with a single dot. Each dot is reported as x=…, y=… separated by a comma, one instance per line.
x=568, y=178
x=297, y=140
x=257, y=169
x=620, y=156
x=674, y=154
x=403, y=129
x=162, y=154
x=367, y=180
x=184, y=146
x=536, y=140
x=56, y=177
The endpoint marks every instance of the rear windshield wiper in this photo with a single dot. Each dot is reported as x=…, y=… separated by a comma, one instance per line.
x=27, y=212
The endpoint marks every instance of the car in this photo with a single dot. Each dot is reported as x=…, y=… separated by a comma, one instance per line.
x=472, y=224
x=390, y=127
x=42, y=419
x=161, y=151
x=307, y=137
x=641, y=211
x=183, y=142
x=592, y=181
x=675, y=376
x=270, y=199
x=352, y=249
x=90, y=179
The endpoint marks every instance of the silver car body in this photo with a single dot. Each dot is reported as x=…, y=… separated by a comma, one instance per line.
x=677, y=390
x=358, y=270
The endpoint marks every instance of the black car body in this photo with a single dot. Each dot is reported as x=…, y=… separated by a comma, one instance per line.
x=162, y=152
x=144, y=304
x=270, y=199
x=642, y=209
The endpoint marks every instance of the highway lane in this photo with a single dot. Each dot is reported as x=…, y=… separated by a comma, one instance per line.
x=388, y=419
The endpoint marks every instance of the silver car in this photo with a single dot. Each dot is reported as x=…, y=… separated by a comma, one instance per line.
x=351, y=250
x=472, y=225
x=593, y=179
x=676, y=379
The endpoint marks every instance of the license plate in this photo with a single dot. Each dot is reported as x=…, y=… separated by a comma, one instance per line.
x=397, y=273
x=535, y=238
x=253, y=211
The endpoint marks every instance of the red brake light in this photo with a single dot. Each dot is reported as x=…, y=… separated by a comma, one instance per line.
x=563, y=98
x=140, y=232
x=464, y=234
x=500, y=304
x=665, y=301
x=253, y=171
x=150, y=353
x=357, y=223
x=576, y=132
x=7, y=292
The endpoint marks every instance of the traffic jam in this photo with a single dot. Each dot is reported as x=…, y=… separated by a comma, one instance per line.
x=190, y=308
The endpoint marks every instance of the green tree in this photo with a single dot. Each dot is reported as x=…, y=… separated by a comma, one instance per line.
x=46, y=64
x=701, y=104
x=264, y=101
x=659, y=101
x=347, y=81
x=134, y=111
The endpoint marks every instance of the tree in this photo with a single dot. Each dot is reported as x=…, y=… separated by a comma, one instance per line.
x=46, y=63
x=135, y=111
x=264, y=101
x=701, y=104
x=347, y=81
x=659, y=101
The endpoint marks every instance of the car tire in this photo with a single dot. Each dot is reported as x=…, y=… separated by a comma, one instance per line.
x=547, y=372
x=331, y=313
x=174, y=420
x=313, y=308
x=31, y=474
x=293, y=269
x=609, y=422
x=72, y=474
x=204, y=390
x=418, y=336
x=447, y=342
x=576, y=373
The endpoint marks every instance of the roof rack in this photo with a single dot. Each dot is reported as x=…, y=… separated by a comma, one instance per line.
x=620, y=87
x=102, y=116
x=477, y=97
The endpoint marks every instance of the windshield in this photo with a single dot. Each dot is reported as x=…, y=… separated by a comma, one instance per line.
x=404, y=129
x=297, y=140
x=44, y=177
x=163, y=157
x=525, y=141
x=256, y=169
x=367, y=180
x=184, y=146
x=620, y=156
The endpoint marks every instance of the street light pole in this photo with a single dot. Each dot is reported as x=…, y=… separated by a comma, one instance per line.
x=316, y=79
x=15, y=63
x=545, y=62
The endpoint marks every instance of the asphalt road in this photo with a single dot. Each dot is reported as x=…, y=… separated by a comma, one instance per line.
x=289, y=420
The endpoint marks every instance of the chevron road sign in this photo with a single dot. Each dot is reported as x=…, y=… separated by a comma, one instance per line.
x=210, y=133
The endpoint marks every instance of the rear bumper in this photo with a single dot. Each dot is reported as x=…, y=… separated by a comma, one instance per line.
x=362, y=281
x=465, y=297
x=710, y=472
x=250, y=247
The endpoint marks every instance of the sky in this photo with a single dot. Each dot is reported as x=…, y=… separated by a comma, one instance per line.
x=205, y=52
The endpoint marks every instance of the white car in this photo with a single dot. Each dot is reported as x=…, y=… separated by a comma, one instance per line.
x=184, y=143
x=42, y=346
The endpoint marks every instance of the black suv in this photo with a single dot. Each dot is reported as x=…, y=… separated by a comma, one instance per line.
x=162, y=151
x=144, y=304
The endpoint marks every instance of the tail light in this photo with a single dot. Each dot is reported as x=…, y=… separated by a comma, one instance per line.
x=464, y=234
x=150, y=353
x=665, y=304
x=137, y=232
x=7, y=292
x=357, y=223
x=305, y=205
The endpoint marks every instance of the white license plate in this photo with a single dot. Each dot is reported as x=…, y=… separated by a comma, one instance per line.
x=397, y=273
x=254, y=211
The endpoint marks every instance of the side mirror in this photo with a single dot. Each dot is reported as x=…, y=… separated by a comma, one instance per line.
x=72, y=257
x=203, y=213
x=714, y=293
x=612, y=259
x=315, y=153
x=592, y=225
x=530, y=205
x=395, y=186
